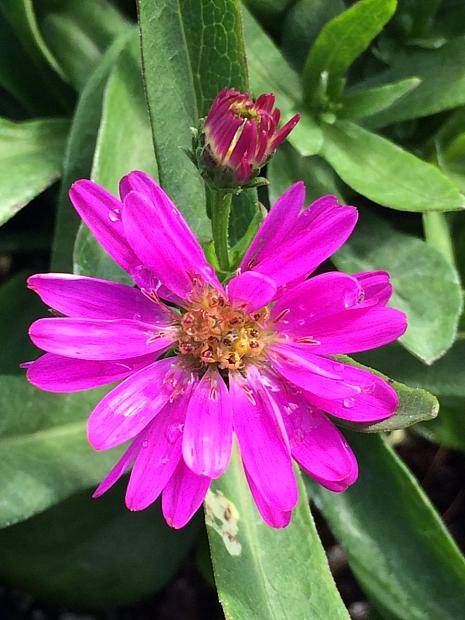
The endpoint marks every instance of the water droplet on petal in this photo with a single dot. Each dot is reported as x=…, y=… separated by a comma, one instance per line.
x=164, y=460
x=338, y=367
x=349, y=298
x=145, y=444
x=173, y=432
x=368, y=389
x=114, y=215
x=348, y=402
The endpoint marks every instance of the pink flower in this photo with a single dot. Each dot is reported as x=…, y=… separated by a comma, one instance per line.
x=252, y=359
x=239, y=137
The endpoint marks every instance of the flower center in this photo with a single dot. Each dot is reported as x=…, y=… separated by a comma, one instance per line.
x=246, y=110
x=212, y=331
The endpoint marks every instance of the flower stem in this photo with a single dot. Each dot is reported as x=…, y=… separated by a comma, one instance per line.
x=220, y=209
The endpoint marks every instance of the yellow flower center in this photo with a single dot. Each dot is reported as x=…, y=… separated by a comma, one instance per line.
x=212, y=331
x=246, y=110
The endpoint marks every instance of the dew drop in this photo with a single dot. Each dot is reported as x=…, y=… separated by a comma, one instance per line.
x=164, y=460
x=145, y=444
x=368, y=389
x=173, y=431
x=349, y=297
x=348, y=402
x=114, y=215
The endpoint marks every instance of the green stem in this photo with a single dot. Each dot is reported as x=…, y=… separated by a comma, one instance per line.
x=437, y=234
x=220, y=209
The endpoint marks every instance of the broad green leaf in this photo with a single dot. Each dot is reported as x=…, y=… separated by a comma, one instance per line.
x=442, y=75
x=21, y=17
x=172, y=92
x=123, y=144
x=362, y=103
x=448, y=429
x=415, y=17
x=397, y=546
x=31, y=154
x=78, y=33
x=79, y=154
x=99, y=553
x=426, y=286
x=302, y=25
x=261, y=572
x=415, y=405
x=18, y=302
x=43, y=448
x=385, y=173
x=340, y=42
x=270, y=72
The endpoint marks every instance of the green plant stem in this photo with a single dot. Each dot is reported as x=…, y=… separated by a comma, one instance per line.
x=437, y=234
x=221, y=207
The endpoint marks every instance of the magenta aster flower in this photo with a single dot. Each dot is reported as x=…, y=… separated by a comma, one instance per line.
x=239, y=136
x=252, y=359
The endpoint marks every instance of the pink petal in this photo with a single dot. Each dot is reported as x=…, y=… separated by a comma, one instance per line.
x=207, y=436
x=101, y=211
x=55, y=373
x=120, y=468
x=277, y=225
x=128, y=408
x=178, y=268
x=375, y=400
x=316, y=235
x=97, y=339
x=166, y=209
x=251, y=290
x=272, y=516
x=316, y=444
x=357, y=330
x=376, y=286
x=262, y=441
x=183, y=495
x=319, y=297
x=158, y=456
x=311, y=372
x=79, y=296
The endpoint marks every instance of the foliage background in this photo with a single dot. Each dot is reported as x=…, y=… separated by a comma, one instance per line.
x=381, y=88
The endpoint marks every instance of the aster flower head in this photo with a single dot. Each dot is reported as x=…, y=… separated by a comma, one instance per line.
x=238, y=137
x=253, y=359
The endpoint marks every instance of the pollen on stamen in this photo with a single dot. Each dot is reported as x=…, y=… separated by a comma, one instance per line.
x=214, y=332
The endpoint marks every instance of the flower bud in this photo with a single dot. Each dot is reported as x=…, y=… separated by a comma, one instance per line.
x=238, y=137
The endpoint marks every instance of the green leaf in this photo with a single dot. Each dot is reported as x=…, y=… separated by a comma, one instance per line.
x=340, y=42
x=250, y=559
x=21, y=17
x=244, y=209
x=397, y=546
x=442, y=75
x=123, y=144
x=361, y=103
x=31, y=154
x=385, y=173
x=270, y=72
x=426, y=286
x=100, y=554
x=79, y=154
x=415, y=405
x=78, y=33
x=415, y=17
x=302, y=25
x=448, y=429
x=43, y=448
x=437, y=234
x=18, y=302
x=177, y=90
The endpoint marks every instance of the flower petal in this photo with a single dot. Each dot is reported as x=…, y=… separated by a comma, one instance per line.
x=79, y=296
x=262, y=441
x=101, y=211
x=207, y=437
x=357, y=330
x=375, y=400
x=316, y=444
x=177, y=266
x=277, y=225
x=158, y=456
x=97, y=339
x=55, y=373
x=376, y=286
x=272, y=516
x=251, y=290
x=183, y=495
x=129, y=407
x=120, y=468
x=312, y=372
x=319, y=297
